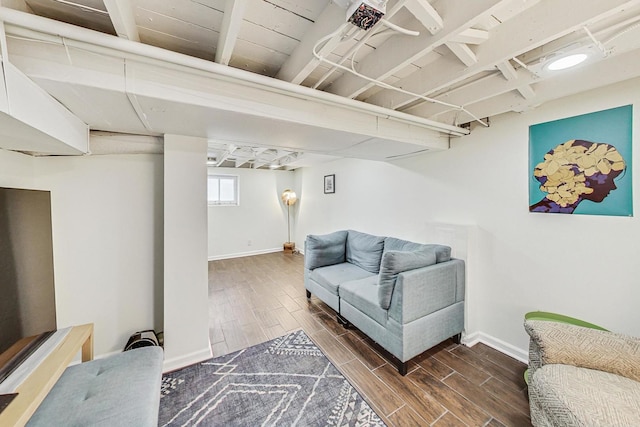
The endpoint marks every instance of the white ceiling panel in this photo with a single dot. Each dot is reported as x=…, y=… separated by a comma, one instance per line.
x=273, y=31
x=203, y=50
x=187, y=11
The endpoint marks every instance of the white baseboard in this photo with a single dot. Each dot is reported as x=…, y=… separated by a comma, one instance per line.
x=186, y=360
x=243, y=254
x=510, y=350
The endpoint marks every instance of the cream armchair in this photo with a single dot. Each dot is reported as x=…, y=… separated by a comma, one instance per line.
x=582, y=377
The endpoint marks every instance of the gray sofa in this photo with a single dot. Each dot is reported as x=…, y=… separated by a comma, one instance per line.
x=120, y=390
x=406, y=296
x=582, y=376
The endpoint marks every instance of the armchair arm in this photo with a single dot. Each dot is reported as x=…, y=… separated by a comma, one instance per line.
x=323, y=250
x=561, y=343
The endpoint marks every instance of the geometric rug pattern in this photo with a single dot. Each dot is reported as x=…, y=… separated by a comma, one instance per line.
x=284, y=382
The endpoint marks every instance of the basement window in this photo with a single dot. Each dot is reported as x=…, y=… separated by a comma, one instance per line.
x=222, y=190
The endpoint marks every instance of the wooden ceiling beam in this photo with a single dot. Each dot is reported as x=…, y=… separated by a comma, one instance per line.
x=463, y=52
x=622, y=67
x=123, y=19
x=426, y=14
x=509, y=39
x=471, y=36
x=507, y=70
x=301, y=62
x=400, y=51
x=231, y=23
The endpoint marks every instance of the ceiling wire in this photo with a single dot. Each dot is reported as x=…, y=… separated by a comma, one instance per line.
x=386, y=85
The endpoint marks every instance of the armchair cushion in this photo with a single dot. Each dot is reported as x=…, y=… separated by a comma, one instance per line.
x=395, y=262
x=365, y=250
x=565, y=395
x=560, y=343
x=323, y=250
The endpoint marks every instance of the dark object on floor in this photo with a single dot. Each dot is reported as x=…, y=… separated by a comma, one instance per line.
x=286, y=381
x=146, y=338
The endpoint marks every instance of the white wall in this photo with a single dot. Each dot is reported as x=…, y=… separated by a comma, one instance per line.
x=260, y=219
x=186, y=306
x=107, y=238
x=579, y=265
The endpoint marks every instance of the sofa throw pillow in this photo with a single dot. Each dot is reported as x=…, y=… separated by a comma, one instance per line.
x=394, y=263
x=323, y=250
x=443, y=253
x=365, y=250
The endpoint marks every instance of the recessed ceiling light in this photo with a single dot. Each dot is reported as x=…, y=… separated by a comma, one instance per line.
x=567, y=61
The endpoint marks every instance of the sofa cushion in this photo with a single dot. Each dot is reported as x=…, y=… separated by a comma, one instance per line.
x=120, y=390
x=395, y=262
x=332, y=276
x=443, y=253
x=566, y=395
x=323, y=250
x=363, y=295
x=365, y=250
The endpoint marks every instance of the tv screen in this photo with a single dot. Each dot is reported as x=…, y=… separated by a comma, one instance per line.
x=27, y=295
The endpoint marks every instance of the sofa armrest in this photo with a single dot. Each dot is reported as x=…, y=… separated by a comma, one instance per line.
x=561, y=343
x=326, y=249
x=420, y=292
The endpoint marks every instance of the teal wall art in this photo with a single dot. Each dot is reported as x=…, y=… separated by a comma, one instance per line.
x=582, y=164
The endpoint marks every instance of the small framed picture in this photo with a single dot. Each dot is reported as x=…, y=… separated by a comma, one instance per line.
x=329, y=184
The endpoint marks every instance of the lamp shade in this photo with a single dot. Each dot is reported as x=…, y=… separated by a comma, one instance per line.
x=289, y=197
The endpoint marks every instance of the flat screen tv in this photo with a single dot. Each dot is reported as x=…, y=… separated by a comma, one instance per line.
x=27, y=295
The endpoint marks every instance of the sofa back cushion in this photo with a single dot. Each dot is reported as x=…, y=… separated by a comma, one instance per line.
x=365, y=250
x=394, y=263
x=443, y=253
x=326, y=249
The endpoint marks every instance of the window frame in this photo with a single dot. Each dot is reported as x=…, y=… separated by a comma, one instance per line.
x=236, y=189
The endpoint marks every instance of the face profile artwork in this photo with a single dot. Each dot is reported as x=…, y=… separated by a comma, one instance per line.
x=582, y=164
x=575, y=171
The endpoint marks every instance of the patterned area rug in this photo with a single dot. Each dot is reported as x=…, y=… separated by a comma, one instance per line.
x=283, y=382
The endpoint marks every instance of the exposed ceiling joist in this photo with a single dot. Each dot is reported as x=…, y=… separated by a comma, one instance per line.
x=471, y=36
x=426, y=14
x=224, y=156
x=507, y=70
x=527, y=92
x=512, y=38
x=123, y=19
x=397, y=52
x=231, y=23
x=463, y=52
x=302, y=61
x=599, y=74
x=240, y=162
x=476, y=91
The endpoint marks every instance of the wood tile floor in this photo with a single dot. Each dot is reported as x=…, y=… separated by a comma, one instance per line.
x=258, y=298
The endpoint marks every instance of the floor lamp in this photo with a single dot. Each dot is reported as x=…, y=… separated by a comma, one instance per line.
x=289, y=198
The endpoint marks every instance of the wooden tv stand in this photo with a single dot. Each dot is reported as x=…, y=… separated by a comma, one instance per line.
x=37, y=385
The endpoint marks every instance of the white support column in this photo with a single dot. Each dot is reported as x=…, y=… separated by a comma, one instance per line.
x=186, y=302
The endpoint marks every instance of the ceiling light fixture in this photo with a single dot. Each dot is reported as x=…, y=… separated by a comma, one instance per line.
x=567, y=61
